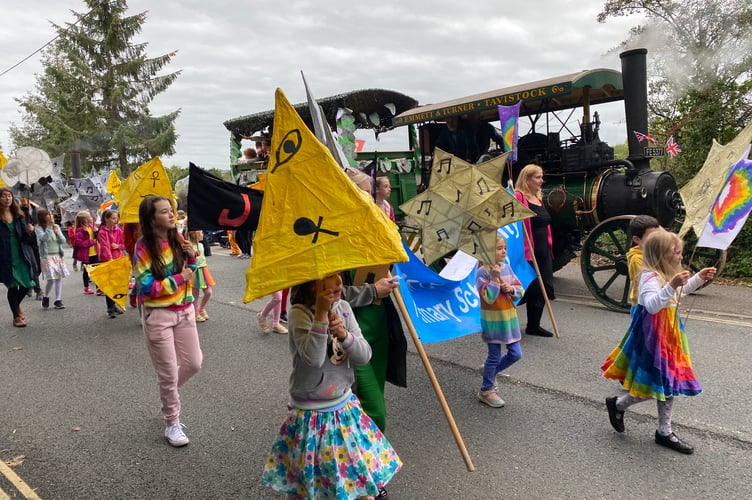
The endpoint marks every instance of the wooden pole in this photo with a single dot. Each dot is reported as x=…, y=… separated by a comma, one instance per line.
x=434, y=382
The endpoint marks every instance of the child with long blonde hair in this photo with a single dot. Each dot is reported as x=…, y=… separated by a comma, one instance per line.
x=653, y=361
x=202, y=278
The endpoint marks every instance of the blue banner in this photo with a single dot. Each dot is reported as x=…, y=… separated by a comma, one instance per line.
x=440, y=309
x=516, y=254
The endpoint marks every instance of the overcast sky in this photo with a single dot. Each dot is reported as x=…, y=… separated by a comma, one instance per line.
x=233, y=55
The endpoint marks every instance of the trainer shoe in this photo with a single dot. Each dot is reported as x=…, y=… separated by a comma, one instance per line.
x=99, y=292
x=264, y=324
x=88, y=291
x=175, y=436
x=491, y=398
x=59, y=304
x=279, y=329
x=283, y=317
x=45, y=302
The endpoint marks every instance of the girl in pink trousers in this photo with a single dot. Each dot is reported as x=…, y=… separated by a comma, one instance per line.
x=164, y=264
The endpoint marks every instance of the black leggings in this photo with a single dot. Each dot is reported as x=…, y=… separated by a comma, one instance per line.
x=15, y=296
x=93, y=259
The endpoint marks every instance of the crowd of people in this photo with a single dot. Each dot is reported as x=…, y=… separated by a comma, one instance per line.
x=346, y=339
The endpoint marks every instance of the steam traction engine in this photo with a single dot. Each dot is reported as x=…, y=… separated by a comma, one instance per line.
x=591, y=196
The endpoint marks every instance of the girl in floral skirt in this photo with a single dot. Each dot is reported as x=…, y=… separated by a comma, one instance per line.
x=327, y=446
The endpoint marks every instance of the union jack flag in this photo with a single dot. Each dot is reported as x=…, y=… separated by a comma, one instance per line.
x=672, y=148
x=644, y=137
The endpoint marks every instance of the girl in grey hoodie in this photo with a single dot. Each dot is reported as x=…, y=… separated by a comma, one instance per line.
x=327, y=447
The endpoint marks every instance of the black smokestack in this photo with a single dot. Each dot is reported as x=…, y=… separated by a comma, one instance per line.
x=75, y=158
x=635, y=80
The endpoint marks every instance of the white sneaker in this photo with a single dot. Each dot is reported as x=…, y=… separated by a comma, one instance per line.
x=175, y=435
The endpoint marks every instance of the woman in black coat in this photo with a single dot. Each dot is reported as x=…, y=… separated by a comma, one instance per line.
x=18, y=265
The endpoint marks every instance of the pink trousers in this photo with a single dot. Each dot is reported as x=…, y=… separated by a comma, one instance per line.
x=172, y=340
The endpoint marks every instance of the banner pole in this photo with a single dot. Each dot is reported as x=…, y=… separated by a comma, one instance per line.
x=434, y=380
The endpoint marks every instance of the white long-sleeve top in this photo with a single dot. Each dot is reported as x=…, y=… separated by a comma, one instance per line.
x=654, y=295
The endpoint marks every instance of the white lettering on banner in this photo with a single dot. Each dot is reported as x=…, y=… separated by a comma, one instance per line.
x=511, y=231
x=468, y=299
x=430, y=314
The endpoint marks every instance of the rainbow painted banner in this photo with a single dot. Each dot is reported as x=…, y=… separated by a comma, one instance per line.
x=509, y=117
x=730, y=209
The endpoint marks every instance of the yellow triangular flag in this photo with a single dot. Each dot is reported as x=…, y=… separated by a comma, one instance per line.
x=3, y=161
x=113, y=185
x=113, y=277
x=148, y=179
x=314, y=221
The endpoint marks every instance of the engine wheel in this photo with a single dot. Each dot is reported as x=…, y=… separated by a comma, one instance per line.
x=603, y=262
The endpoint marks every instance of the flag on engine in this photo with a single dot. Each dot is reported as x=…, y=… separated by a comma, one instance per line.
x=644, y=137
x=672, y=148
x=509, y=116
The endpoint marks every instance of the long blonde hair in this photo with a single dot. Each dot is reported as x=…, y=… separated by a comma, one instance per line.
x=657, y=248
x=526, y=174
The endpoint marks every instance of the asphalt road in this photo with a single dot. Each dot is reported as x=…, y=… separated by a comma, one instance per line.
x=79, y=410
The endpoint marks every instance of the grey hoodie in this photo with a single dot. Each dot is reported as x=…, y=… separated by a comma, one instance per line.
x=316, y=382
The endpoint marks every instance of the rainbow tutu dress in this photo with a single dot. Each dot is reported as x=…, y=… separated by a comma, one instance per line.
x=652, y=360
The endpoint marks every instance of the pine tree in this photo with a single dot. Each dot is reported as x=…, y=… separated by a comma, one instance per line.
x=95, y=92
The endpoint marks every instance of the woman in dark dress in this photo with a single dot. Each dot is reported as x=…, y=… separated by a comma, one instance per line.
x=17, y=263
x=528, y=191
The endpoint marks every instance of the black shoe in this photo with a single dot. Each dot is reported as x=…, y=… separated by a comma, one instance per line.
x=59, y=304
x=283, y=318
x=615, y=416
x=673, y=442
x=111, y=314
x=538, y=331
x=382, y=493
x=45, y=302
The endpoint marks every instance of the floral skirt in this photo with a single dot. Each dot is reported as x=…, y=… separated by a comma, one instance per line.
x=53, y=267
x=203, y=278
x=339, y=454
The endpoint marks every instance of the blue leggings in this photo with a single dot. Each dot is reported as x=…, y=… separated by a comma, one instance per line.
x=496, y=363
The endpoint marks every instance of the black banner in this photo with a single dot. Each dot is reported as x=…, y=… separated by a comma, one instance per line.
x=216, y=204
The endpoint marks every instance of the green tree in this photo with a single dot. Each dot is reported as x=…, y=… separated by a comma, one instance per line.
x=94, y=93
x=700, y=70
